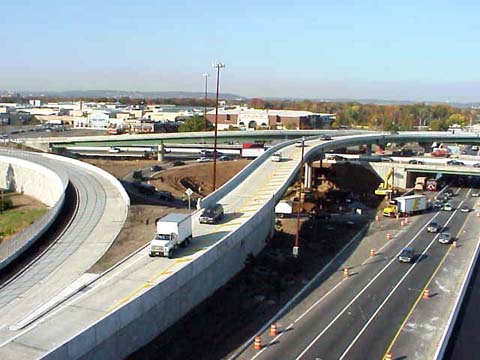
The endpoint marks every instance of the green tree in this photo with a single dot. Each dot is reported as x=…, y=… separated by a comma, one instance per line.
x=195, y=123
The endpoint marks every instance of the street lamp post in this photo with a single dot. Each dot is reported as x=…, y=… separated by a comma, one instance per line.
x=297, y=237
x=205, y=75
x=217, y=66
x=189, y=193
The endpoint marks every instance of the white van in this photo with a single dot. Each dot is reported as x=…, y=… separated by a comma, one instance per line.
x=277, y=157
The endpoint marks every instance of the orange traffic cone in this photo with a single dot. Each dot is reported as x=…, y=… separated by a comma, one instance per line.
x=426, y=294
x=388, y=356
x=372, y=252
x=273, y=330
x=257, y=345
x=345, y=272
x=377, y=218
x=454, y=244
x=402, y=223
x=389, y=236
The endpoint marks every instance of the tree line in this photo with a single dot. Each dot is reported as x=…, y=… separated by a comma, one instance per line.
x=352, y=114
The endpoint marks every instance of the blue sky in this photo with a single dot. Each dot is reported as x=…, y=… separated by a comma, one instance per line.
x=419, y=50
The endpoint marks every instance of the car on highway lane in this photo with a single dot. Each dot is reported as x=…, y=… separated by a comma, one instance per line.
x=447, y=207
x=464, y=209
x=433, y=227
x=437, y=204
x=156, y=168
x=445, y=238
x=325, y=137
x=204, y=159
x=476, y=165
x=114, y=150
x=474, y=193
x=416, y=162
x=454, y=163
x=211, y=215
x=178, y=163
x=449, y=193
x=407, y=255
x=225, y=158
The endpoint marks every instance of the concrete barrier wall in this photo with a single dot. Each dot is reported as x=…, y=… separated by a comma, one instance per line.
x=145, y=317
x=112, y=179
x=41, y=183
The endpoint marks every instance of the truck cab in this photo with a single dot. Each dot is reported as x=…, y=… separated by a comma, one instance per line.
x=162, y=245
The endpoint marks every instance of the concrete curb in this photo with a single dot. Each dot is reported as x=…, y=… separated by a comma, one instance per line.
x=301, y=293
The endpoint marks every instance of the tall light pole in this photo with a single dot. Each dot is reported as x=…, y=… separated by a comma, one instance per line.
x=205, y=75
x=217, y=66
x=297, y=236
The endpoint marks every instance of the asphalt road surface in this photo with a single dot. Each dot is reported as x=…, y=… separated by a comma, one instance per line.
x=359, y=318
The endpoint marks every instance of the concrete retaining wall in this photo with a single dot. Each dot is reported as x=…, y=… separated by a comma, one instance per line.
x=145, y=317
x=36, y=181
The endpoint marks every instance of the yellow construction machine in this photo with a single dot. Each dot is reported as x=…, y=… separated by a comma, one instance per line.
x=386, y=187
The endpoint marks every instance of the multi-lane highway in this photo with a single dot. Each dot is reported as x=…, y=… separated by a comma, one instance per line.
x=359, y=317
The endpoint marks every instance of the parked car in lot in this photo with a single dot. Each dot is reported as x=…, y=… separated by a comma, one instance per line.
x=464, y=209
x=433, y=227
x=211, y=215
x=455, y=163
x=447, y=207
x=445, y=238
x=165, y=195
x=407, y=255
x=416, y=162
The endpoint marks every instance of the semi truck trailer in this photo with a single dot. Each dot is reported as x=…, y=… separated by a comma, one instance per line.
x=406, y=205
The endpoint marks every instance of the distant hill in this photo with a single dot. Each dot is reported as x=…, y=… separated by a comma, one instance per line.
x=115, y=94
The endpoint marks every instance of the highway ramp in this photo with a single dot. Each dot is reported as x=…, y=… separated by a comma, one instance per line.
x=100, y=214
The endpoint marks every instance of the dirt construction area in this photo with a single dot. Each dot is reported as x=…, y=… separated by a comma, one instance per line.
x=139, y=228
x=233, y=313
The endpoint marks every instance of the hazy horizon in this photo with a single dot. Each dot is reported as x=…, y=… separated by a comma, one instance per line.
x=407, y=51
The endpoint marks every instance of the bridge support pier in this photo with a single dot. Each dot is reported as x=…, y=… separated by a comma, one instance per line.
x=308, y=174
x=160, y=152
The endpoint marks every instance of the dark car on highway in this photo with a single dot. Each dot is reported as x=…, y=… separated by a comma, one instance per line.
x=416, y=162
x=211, y=215
x=156, y=168
x=407, y=255
x=455, y=163
x=177, y=163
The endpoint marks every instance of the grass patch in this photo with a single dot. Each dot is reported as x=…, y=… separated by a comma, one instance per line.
x=13, y=221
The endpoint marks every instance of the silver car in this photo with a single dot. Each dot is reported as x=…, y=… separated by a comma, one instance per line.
x=445, y=238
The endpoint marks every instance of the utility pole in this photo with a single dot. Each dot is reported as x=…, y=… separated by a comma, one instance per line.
x=297, y=236
x=217, y=66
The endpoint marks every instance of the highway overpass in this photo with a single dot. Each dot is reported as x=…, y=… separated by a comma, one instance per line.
x=141, y=297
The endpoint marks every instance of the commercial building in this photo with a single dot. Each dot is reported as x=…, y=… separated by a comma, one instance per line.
x=251, y=119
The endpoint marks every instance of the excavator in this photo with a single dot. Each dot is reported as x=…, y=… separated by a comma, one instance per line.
x=386, y=187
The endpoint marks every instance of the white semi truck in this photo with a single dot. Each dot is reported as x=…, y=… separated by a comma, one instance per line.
x=406, y=205
x=173, y=230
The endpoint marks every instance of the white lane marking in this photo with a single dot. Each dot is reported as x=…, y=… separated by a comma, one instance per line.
x=289, y=327
x=361, y=292
x=393, y=290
